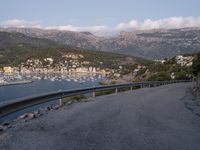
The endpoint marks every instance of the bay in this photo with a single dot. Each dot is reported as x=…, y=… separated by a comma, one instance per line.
x=39, y=87
x=42, y=86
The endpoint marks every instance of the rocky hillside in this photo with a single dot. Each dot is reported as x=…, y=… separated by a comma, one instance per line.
x=84, y=40
x=18, y=39
x=152, y=44
x=17, y=48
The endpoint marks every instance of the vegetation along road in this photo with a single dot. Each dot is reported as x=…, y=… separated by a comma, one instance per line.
x=149, y=118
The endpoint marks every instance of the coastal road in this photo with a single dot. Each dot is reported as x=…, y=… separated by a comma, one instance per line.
x=144, y=119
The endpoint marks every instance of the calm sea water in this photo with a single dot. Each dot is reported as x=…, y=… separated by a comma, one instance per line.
x=40, y=86
x=8, y=93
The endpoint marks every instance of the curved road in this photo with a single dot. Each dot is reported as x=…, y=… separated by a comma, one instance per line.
x=144, y=119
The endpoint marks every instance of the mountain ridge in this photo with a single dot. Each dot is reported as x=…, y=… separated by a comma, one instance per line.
x=148, y=44
x=16, y=48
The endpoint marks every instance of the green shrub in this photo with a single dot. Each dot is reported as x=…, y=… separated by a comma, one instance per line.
x=182, y=75
x=160, y=76
x=108, y=83
x=74, y=98
x=99, y=93
x=196, y=64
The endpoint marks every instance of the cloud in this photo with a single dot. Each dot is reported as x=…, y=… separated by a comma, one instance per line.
x=20, y=23
x=103, y=30
x=98, y=30
x=172, y=22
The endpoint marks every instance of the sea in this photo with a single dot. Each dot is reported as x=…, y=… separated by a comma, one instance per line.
x=42, y=85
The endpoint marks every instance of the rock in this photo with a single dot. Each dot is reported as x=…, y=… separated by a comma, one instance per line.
x=36, y=112
x=9, y=126
x=56, y=107
x=30, y=116
x=23, y=116
x=6, y=123
x=41, y=111
x=1, y=128
x=47, y=108
x=69, y=102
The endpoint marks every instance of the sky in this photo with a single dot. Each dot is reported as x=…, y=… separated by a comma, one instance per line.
x=102, y=17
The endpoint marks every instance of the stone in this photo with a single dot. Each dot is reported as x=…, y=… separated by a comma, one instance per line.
x=30, y=116
x=36, y=112
x=41, y=111
x=48, y=108
x=9, y=126
x=56, y=107
x=23, y=116
x=1, y=128
x=69, y=102
x=6, y=123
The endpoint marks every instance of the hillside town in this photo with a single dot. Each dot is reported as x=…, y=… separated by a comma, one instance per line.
x=70, y=67
x=73, y=64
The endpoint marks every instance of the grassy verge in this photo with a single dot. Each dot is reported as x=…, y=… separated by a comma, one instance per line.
x=100, y=93
x=82, y=97
x=72, y=99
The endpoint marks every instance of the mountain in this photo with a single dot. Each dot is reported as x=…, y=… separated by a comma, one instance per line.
x=17, y=48
x=8, y=39
x=84, y=40
x=150, y=44
x=156, y=44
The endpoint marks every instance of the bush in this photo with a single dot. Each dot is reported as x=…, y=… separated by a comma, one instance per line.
x=74, y=98
x=181, y=76
x=196, y=64
x=160, y=76
x=99, y=93
x=113, y=82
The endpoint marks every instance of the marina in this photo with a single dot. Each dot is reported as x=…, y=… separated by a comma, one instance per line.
x=29, y=84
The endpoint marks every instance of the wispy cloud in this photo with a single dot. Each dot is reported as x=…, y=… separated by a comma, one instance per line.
x=20, y=23
x=103, y=30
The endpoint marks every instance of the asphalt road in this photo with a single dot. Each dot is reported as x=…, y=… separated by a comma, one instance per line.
x=145, y=119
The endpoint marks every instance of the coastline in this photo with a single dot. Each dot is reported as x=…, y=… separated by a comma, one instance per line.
x=16, y=83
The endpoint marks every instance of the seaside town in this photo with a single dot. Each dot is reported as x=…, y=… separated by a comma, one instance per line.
x=72, y=69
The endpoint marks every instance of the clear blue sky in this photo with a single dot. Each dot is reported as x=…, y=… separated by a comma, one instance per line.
x=95, y=12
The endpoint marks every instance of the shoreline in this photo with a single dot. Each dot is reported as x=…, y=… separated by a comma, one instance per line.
x=16, y=83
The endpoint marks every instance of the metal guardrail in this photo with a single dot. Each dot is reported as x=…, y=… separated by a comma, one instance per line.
x=22, y=103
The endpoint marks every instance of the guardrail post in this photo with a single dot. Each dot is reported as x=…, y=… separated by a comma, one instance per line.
x=60, y=101
x=116, y=90
x=93, y=94
x=131, y=88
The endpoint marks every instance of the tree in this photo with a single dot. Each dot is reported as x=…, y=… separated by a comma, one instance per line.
x=182, y=75
x=160, y=76
x=196, y=64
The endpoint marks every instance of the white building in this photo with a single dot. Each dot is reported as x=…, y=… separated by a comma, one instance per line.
x=50, y=60
x=184, y=60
